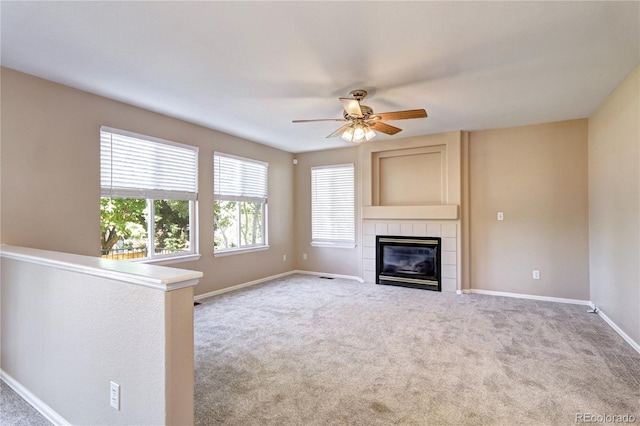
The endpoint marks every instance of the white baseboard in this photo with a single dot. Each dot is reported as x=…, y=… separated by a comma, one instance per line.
x=323, y=274
x=618, y=330
x=243, y=285
x=273, y=277
x=33, y=400
x=606, y=319
x=528, y=296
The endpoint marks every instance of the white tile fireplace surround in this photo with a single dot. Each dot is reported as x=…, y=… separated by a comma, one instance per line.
x=448, y=231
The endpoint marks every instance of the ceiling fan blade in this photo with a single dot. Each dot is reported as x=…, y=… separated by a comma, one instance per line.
x=403, y=115
x=339, y=131
x=352, y=106
x=383, y=127
x=320, y=119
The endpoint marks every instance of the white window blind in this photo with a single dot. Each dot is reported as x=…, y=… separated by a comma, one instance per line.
x=138, y=166
x=333, y=204
x=239, y=179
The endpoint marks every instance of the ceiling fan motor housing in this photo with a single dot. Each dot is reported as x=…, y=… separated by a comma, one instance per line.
x=358, y=94
x=366, y=112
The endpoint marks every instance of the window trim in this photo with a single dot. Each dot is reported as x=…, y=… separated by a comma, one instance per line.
x=192, y=257
x=334, y=244
x=169, y=257
x=239, y=250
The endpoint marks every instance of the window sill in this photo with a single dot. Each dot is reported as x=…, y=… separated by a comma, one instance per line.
x=348, y=245
x=170, y=260
x=231, y=252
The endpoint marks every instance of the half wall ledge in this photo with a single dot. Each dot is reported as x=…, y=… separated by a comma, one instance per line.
x=436, y=212
x=153, y=276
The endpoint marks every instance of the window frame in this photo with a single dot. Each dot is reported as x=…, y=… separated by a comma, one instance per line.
x=329, y=242
x=183, y=256
x=151, y=195
x=261, y=198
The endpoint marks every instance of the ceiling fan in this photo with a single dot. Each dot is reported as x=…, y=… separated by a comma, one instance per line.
x=361, y=121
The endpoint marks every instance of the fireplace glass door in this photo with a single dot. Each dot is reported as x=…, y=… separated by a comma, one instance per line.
x=408, y=261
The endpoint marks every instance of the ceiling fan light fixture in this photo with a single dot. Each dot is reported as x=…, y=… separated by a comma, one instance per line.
x=348, y=134
x=369, y=133
x=358, y=132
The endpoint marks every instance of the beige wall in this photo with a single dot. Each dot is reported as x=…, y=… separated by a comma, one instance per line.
x=342, y=261
x=614, y=205
x=51, y=187
x=537, y=176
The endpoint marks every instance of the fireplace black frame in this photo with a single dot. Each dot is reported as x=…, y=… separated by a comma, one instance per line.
x=425, y=282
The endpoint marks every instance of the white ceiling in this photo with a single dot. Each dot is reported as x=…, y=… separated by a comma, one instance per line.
x=249, y=68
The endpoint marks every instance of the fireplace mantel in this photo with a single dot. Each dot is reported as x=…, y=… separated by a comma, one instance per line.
x=439, y=212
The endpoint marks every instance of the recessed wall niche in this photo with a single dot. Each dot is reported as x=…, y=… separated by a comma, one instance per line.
x=414, y=176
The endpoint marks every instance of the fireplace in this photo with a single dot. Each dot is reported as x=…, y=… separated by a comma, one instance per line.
x=408, y=261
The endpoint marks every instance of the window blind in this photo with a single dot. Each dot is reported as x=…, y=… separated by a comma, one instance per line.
x=137, y=166
x=239, y=179
x=333, y=203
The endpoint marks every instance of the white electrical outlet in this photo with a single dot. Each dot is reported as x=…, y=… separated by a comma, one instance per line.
x=114, y=396
x=536, y=275
x=304, y=256
x=284, y=257
x=500, y=216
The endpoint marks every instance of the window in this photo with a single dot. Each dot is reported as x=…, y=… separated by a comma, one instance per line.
x=149, y=189
x=240, y=204
x=333, y=206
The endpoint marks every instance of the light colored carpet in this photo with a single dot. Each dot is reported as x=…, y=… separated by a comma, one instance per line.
x=15, y=411
x=308, y=351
